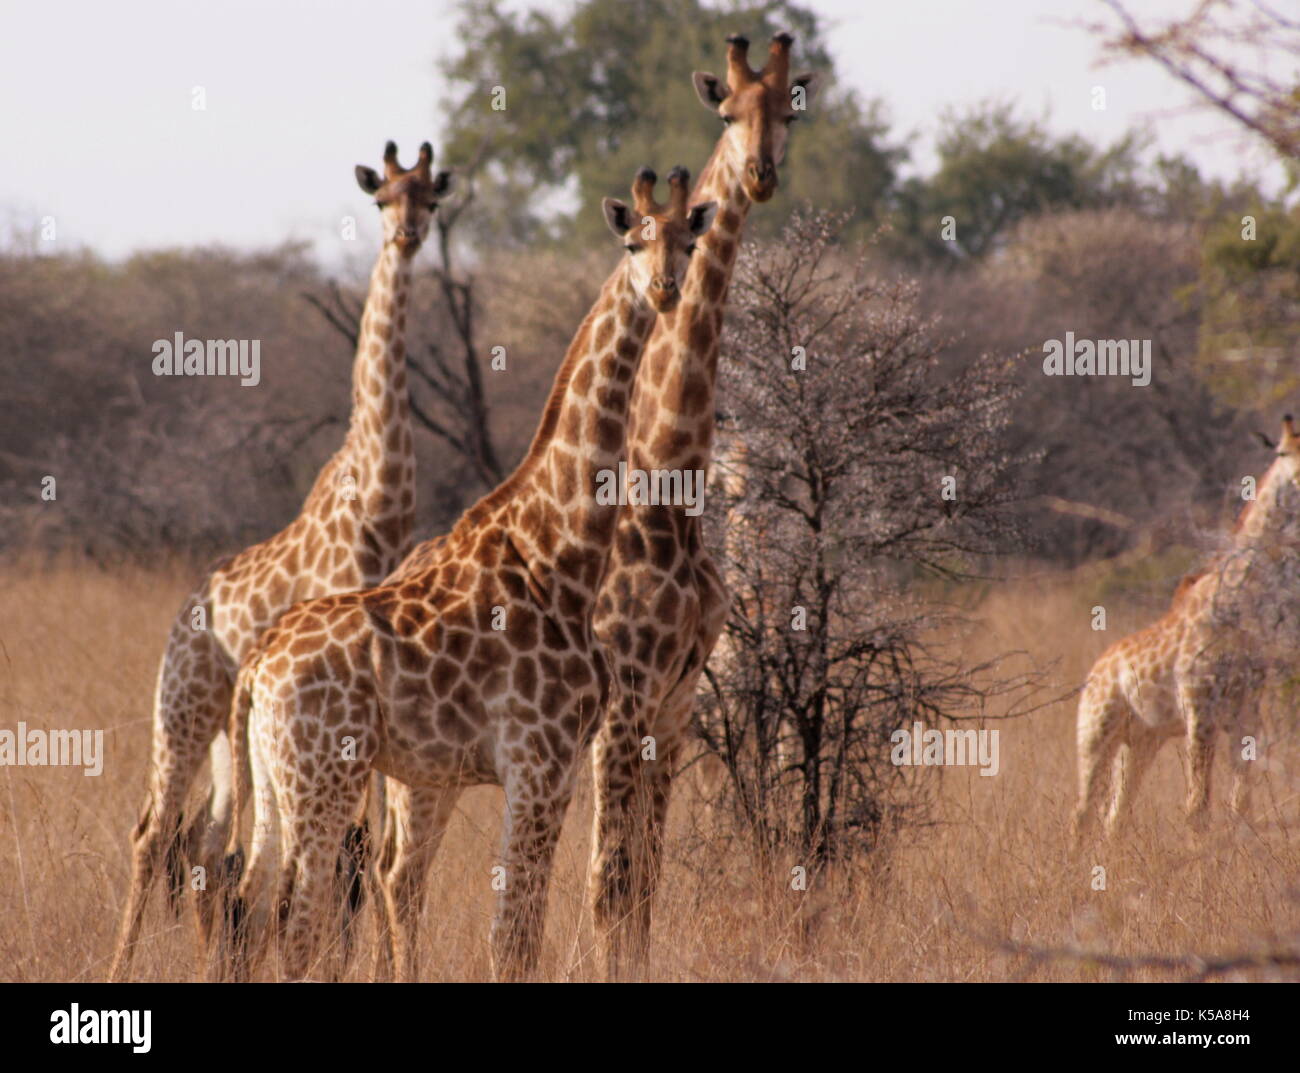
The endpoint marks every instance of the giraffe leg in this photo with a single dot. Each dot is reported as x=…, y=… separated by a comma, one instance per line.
x=381, y=970
x=416, y=821
x=621, y=793
x=534, y=816
x=1200, y=758
x=313, y=819
x=1242, y=781
x=654, y=791
x=1100, y=722
x=1247, y=724
x=383, y=962
x=191, y=702
x=1132, y=762
x=246, y=923
x=669, y=726
x=653, y=806
x=156, y=833
x=354, y=872
x=210, y=832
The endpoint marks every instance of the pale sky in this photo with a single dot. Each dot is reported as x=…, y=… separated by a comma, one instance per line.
x=99, y=132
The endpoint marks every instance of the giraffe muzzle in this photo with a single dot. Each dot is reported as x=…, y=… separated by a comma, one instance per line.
x=664, y=294
x=761, y=179
x=407, y=238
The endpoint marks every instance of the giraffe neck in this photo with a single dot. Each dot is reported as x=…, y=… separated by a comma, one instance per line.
x=549, y=505
x=1270, y=513
x=673, y=412
x=1258, y=563
x=379, y=435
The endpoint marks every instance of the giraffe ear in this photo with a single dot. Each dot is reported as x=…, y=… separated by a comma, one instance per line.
x=441, y=183
x=368, y=179
x=810, y=83
x=617, y=215
x=1288, y=437
x=700, y=218
x=711, y=90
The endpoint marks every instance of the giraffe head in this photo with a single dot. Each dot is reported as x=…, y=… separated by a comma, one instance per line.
x=659, y=238
x=1288, y=452
x=757, y=108
x=407, y=198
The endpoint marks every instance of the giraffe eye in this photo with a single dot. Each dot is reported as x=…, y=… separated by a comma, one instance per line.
x=690, y=249
x=634, y=248
x=790, y=119
x=727, y=120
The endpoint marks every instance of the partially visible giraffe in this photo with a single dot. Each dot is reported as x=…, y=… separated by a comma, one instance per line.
x=663, y=603
x=479, y=668
x=1199, y=670
x=744, y=568
x=353, y=528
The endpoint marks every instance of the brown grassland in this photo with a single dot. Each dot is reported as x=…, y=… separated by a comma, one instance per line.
x=79, y=647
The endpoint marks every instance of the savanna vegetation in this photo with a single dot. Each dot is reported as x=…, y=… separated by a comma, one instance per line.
x=922, y=301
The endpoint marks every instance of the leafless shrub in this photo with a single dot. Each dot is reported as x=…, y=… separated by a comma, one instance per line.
x=841, y=487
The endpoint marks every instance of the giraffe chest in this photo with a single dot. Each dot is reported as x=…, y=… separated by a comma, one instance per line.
x=1146, y=680
x=1138, y=672
x=657, y=604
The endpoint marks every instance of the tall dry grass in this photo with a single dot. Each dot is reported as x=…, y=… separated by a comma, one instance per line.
x=79, y=648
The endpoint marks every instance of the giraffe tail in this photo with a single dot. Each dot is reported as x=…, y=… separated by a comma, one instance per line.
x=228, y=956
x=351, y=869
x=177, y=867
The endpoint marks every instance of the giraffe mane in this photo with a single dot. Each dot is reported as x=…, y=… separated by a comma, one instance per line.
x=1243, y=515
x=1185, y=585
x=706, y=173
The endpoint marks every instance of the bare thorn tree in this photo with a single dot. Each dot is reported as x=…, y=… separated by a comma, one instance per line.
x=853, y=470
x=1223, y=50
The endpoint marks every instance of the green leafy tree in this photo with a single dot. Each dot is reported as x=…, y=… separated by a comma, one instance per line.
x=559, y=112
x=996, y=169
x=1250, y=327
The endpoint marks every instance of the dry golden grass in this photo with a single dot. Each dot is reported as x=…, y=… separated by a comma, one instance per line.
x=79, y=648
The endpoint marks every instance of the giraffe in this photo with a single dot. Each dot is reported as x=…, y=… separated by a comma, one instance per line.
x=663, y=603
x=745, y=563
x=480, y=668
x=353, y=528
x=1200, y=669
